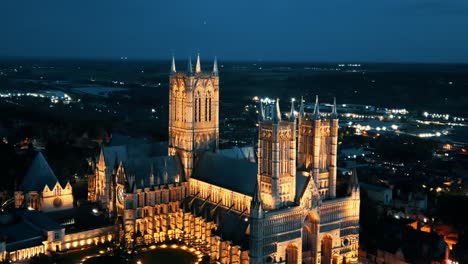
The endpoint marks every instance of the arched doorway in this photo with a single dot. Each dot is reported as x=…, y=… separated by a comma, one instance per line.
x=326, y=249
x=292, y=254
x=309, y=238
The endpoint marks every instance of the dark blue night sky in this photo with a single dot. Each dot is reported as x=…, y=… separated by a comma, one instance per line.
x=270, y=30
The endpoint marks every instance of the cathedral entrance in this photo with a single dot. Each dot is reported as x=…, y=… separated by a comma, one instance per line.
x=292, y=254
x=327, y=249
x=309, y=238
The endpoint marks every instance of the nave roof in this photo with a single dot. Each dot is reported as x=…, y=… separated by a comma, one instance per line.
x=238, y=175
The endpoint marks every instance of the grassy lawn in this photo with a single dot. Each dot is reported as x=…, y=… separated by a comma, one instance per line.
x=155, y=256
x=75, y=256
x=166, y=255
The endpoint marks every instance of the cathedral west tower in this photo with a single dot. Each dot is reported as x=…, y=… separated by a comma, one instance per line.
x=193, y=113
x=277, y=160
x=317, y=148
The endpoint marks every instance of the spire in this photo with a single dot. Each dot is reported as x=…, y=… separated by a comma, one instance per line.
x=198, y=66
x=334, y=113
x=158, y=178
x=151, y=179
x=292, y=116
x=256, y=207
x=173, y=68
x=102, y=160
x=256, y=196
x=261, y=117
x=316, y=109
x=189, y=66
x=165, y=173
x=353, y=182
x=215, y=66
x=301, y=108
x=276, y=112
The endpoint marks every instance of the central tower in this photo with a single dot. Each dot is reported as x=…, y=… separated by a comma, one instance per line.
x=193, y=113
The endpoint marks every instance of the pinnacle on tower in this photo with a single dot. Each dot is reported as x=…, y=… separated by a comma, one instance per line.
x=173, y=68
x=215, y=66
x=198, y=66
x=292, y=116
x=189, y=66
x=276, y=112
x=256, y=196
x=165, y=173
x=301, y=108
x=256, y=203
x=334, y=113
x=316, y=109
x=102, y=160
x=261, y=117
x=151, y=178
x=353, y=182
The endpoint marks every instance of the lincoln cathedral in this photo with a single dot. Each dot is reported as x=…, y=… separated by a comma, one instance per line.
x=280, y=206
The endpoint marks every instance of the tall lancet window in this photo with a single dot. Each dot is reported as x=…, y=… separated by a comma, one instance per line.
x=282, y=157
x=174, y=106
x=268, y=160
x=324, y=150
x=179, y=107
x=208, y=106
x=182, y=103
x=197, y=107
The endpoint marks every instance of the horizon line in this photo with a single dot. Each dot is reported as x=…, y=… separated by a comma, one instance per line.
x=169, y=58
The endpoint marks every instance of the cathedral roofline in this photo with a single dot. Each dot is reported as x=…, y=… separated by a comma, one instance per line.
x=316, y=109
x=198, y=64
x=198, y=68
x=173, y=66
x=39, y=175
x=334, y=113
x=269, y=123
x=292, y=114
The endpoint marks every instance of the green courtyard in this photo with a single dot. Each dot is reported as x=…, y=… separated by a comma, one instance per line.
x=152, y=254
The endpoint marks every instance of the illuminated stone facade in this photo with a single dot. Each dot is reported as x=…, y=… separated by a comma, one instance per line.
x=193, y=113
x=30, y=230
x=282, y=209
x=314, y=226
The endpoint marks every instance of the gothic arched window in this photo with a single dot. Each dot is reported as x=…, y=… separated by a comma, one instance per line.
x=208, y=106
x=327, y=249
x=197, y=107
